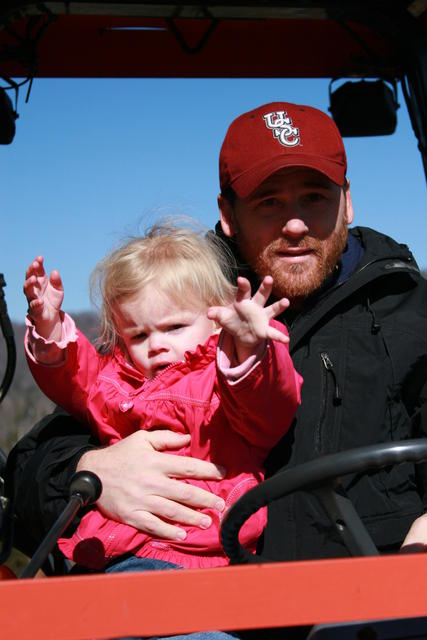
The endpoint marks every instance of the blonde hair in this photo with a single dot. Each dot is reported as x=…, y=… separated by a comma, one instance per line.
x=193, y=268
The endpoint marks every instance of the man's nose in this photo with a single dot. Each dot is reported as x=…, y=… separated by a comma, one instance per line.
x=294, y=228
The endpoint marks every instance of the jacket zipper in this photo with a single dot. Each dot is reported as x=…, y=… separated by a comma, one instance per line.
x=327, y=363
x=336, y=401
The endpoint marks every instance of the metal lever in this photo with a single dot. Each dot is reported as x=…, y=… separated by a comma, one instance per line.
x=85, y=488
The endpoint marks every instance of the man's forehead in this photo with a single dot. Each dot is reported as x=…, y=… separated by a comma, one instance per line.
x=301, y=175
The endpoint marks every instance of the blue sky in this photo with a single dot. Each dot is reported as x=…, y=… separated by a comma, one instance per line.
x=96, y=160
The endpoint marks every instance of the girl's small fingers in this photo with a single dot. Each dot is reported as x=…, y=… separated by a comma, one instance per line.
x=35, y=306
x=217, y=314
x=38, y=263
x=55, y=279
x=29, y=285
x=278, y=336
x=277, y=307
x=243, y=289
x=212, y=313
x=30, y=270
x=264, y=291
x=30, y=295
x=36, y=267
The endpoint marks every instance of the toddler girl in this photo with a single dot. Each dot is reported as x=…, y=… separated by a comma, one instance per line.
x=181, y=349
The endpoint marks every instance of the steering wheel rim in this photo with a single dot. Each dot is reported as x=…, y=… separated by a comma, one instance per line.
x=311, y=475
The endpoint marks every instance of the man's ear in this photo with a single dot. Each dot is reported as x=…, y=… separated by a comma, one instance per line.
x=349, y=214
x=226, y=217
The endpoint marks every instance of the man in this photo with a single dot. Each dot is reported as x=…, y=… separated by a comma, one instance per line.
x=357, y=327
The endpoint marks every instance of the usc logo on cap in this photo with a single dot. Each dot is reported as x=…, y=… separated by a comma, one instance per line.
x=282, y=128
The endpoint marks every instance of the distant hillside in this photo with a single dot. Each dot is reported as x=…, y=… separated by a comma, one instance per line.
x=25, y=404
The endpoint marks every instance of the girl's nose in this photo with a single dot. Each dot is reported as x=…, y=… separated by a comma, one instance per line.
x=156, y=344
x=294, y=228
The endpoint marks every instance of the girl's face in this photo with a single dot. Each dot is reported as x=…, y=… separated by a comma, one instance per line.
x=157, y=332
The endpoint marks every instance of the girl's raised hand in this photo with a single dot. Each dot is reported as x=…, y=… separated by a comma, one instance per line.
x=44, y=296
x=247, y=318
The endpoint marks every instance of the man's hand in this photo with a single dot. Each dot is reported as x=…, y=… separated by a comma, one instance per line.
x=141, y=487
x=247, y=318
x=44, y=296
x=416, y=538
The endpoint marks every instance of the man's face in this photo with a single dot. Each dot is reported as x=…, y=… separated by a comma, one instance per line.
x=292, y=227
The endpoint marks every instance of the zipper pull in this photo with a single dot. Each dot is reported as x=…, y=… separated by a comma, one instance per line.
x=327, y=363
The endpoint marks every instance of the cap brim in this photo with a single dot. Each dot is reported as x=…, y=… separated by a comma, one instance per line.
x=246, y=183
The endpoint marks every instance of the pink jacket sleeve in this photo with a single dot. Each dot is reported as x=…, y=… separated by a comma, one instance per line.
x=260, y=404
x=74, y=369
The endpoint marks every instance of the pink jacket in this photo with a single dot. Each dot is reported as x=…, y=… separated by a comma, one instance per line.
x=235, y=416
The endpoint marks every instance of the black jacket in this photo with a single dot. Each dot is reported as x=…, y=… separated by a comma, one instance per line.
x=361, y=348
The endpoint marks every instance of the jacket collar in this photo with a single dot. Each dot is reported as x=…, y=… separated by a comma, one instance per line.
x=382, y=257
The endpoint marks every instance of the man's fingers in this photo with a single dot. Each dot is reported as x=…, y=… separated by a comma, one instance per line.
x=183, y=493
x=141, y=484
x=175, y=512
x=416, y=547
x=155, y=527
x=186, y=467
x=161, y=439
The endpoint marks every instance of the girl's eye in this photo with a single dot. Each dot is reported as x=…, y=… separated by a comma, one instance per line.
x=175, y=327
x=139, y=337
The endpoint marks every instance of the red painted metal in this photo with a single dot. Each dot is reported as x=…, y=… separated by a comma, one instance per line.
x=6, y=573
x=111, y=46
x=244, y=597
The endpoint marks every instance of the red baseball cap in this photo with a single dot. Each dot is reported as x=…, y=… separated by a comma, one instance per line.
x=277, y=135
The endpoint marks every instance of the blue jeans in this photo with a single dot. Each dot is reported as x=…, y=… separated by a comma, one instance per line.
x=132, y=563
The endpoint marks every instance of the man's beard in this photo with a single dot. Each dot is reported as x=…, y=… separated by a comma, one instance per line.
x=299, y=280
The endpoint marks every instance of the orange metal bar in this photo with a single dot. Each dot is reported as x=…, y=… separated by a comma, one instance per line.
x=171, y=602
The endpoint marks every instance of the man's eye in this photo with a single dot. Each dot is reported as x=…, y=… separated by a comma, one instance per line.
x=269, y=207
x=269, y=202
x=314, y=197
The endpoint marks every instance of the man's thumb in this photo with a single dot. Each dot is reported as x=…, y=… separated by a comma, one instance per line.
x=165, y=439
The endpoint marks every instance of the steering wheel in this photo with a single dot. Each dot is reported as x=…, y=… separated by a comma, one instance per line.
x=320, y=477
